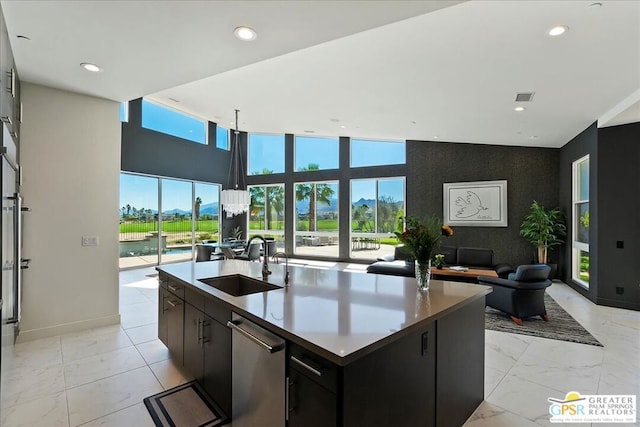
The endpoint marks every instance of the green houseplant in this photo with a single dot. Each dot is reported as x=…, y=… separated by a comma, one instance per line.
x=543, y=228
x=420, y=239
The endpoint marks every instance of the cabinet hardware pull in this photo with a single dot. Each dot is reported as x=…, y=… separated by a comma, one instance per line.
x=172, y=304
x=204, y=339
x=307, y=367
x=269, y=348
x=198, y=332
x=287, y=399
x=172, y=288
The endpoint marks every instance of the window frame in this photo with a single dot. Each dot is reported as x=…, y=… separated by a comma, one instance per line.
x=376, y=234
x=322, y=138
x=265, y=231
x=284, y=149
x=204, y=121
x=576, y=246
x=351, y=157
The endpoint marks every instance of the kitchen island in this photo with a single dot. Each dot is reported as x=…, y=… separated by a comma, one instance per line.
x=374, y=350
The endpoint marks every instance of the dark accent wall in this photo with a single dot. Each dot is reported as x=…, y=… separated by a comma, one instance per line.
x=614, y=203
x=154, y=153
x=531, y=174
x=585, y=143
x=618, y=219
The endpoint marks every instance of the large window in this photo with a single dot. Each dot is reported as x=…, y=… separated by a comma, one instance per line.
x=266, y=212
x=580, y=233
x=124, y=111
x=316, y=217
x=377, y=153
x=172, y=122
x=189, y=215
x=376, y=208
x=312, y=153
x=222, y=137
x=266, y=154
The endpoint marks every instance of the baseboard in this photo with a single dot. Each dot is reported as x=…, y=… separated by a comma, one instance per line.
x=65, y=328
x=628, y=305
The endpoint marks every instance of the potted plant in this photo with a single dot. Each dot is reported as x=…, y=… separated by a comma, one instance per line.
x=544, y=228
x=420, y=239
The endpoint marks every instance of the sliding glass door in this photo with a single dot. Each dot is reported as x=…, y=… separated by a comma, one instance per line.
x=138, y=220
x=187, y=212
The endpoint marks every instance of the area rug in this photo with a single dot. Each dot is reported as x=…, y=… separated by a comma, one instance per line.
x=561, y=326
x=186, y=405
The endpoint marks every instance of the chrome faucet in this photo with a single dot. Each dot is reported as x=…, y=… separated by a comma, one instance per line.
x=265, y=259
x=276, y=257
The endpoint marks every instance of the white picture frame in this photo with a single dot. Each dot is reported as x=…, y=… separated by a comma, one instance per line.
x=475, y=204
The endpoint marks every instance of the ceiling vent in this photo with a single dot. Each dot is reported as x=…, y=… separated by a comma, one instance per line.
x=524, y=96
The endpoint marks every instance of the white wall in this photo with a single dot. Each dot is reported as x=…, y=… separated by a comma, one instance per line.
x=70, y=156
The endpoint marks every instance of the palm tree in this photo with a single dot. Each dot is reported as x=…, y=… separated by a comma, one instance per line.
x=316, y=193
x=196, y=208
x=275, y=198
x=257, y=201
x=128, y=209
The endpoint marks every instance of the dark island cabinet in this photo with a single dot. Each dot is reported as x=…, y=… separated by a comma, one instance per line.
x=170, y=323
x=205, y=346
x=392, y=386
x=217, y=363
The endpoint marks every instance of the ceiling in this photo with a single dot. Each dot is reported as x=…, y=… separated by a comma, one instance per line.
x=426, y=70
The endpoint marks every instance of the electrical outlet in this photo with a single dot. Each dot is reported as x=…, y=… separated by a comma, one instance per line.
x=619, y=290
x=89, y=240
x=619, y=244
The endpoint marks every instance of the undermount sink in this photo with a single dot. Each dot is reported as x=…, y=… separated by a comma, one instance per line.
x=238, y=285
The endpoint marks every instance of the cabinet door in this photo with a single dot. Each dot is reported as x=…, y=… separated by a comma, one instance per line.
x=174, y=310
x=217, y=363
x=193, y=337
x=162, y=316
x=310, y=404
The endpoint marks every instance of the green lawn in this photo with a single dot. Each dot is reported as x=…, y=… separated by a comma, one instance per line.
x=169, y=227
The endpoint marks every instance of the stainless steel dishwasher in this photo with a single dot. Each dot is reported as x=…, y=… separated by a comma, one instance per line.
x=258, y=375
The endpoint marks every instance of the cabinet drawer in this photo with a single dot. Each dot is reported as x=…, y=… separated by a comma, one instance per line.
x=194, y=298
x=314, y=367
x=175, y=288
x=217, y=311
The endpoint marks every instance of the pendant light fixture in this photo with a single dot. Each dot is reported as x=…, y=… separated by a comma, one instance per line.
x=235, y=199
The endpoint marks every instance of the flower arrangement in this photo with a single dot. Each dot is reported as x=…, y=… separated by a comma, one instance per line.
x=421, y=238
x=438, y=260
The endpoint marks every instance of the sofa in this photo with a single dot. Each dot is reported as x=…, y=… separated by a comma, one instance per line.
x=401, y=263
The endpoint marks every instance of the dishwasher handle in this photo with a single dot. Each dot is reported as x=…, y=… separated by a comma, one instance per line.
x=235, y=325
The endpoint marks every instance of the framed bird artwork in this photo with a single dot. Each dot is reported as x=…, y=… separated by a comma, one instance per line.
x=475, y=204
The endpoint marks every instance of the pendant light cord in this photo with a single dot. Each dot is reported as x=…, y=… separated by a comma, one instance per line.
x=236, y=161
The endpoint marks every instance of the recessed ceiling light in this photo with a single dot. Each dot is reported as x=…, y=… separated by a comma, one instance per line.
x=245, y=33
x=309, y=131
x=20, y=36
x=519, y=108
x=343, y=126
x=558, y=30
x=435, y=137
x=534, y=137
x=595, y=5
x=91, y=67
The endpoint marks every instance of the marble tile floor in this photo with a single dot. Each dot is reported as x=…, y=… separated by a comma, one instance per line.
x=99, y=377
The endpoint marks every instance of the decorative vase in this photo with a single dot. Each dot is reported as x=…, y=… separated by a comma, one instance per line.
x=423, y=275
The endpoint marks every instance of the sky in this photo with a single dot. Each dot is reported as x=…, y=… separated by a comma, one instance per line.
x=141, y=192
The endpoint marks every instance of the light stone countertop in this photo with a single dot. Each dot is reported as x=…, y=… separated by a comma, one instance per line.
x=339, y=315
